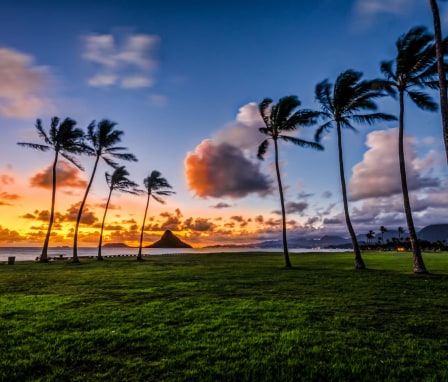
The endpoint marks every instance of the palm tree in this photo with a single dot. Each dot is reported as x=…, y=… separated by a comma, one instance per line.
x=415, y=66
x=117, y=181
x=155, y=186
x=441, y=70
x=370, y=236
x=349, y=100
x=383, y=230
x=280, y=119
x=102, y=139
x=400, y=232
x=64, y=139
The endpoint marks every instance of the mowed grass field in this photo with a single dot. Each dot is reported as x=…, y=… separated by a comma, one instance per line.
x=225, y=317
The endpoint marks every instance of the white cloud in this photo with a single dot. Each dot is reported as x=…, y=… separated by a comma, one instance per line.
x=243, y=132
x=135, y=82
x=378, y=174
x=128, y=65
x=374, y=7
x=23, y=86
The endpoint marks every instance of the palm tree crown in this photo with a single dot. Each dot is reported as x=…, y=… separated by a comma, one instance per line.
x=280, y=119
x=349, y=100
x=156, y=186
x=65, y=139
x=102, y=139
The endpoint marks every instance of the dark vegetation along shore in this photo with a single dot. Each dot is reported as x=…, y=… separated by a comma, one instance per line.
x=225, y=317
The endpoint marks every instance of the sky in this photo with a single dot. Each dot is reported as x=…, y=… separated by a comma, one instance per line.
x=182, y=80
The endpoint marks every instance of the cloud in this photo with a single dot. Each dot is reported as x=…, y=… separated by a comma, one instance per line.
x=198, y=224
x=157, y=100
x=23, y=86
x=378, y=174
x=66, y=176
x=221, y=205
x=296, y=207
x=217, y=170
x=374, y=7
x=129, y=65
x=6, y=179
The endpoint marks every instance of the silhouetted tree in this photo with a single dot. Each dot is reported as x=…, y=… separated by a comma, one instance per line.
x=370, y=236
x=155, y=187
x=101, y=143
x=349, y=100
x=414, y=67
x=441, y=70
x=400, y=232
x=280, y=120
x=383, y=230
x=64, y=139
x=117, y=181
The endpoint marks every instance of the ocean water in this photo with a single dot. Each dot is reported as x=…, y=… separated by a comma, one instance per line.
x=31, y=253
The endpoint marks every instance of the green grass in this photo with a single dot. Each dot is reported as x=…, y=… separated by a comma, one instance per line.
x=225, y=317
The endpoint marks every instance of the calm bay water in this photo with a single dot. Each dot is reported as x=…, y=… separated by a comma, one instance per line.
x=30, y=253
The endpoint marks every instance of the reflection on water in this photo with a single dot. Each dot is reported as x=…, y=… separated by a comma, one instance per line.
x=30, y=253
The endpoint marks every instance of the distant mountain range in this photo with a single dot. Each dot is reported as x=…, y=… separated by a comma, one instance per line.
x=432, y=233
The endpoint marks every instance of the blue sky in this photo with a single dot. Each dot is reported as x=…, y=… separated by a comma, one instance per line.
x=182, y=80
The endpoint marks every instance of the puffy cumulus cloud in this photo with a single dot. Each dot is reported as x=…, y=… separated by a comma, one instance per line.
x=243, y=132
x=8, y=236
x=379, y=175
x=129, y=65
x=23, y=86
x=218, y=170
x=198, y=224
x=7, y=196
x=66, y=176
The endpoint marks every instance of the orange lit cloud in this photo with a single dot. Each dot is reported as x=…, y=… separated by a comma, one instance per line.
x=23, y=86
x=223, y=170
x=66, y=176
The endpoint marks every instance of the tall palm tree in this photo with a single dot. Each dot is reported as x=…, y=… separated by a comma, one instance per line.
x=441, y=70
x=156, y=186
x=117, y=181
x=101, y=143
x=349, y=100
x=414, y=67
x=383, y=230
x=64, y=139
x=280, y=120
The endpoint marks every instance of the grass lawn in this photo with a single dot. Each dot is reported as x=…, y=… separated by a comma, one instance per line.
x=225, y=317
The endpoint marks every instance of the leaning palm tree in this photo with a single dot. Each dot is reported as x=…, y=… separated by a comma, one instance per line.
x=414, y=68
x=64, y=139
x=280, y=119
x=155, y=186
x=349, y=100
x=117, y=181
x=441, y=70
x=101, y=143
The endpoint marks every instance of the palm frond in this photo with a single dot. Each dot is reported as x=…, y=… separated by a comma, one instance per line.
x=301, y=142
x=323, y=129
x=423, y=100
x=372, y=118
x=71, y=159
x=262, y=149
x=265, y=108
x=35, y=146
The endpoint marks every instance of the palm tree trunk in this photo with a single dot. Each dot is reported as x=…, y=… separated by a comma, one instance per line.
x=282, y=202
x=419, y=266
x=139, y=256
x=44, y=255
x=359, y=262
x=75, y=258
x=441, y=72
x=100, y=257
